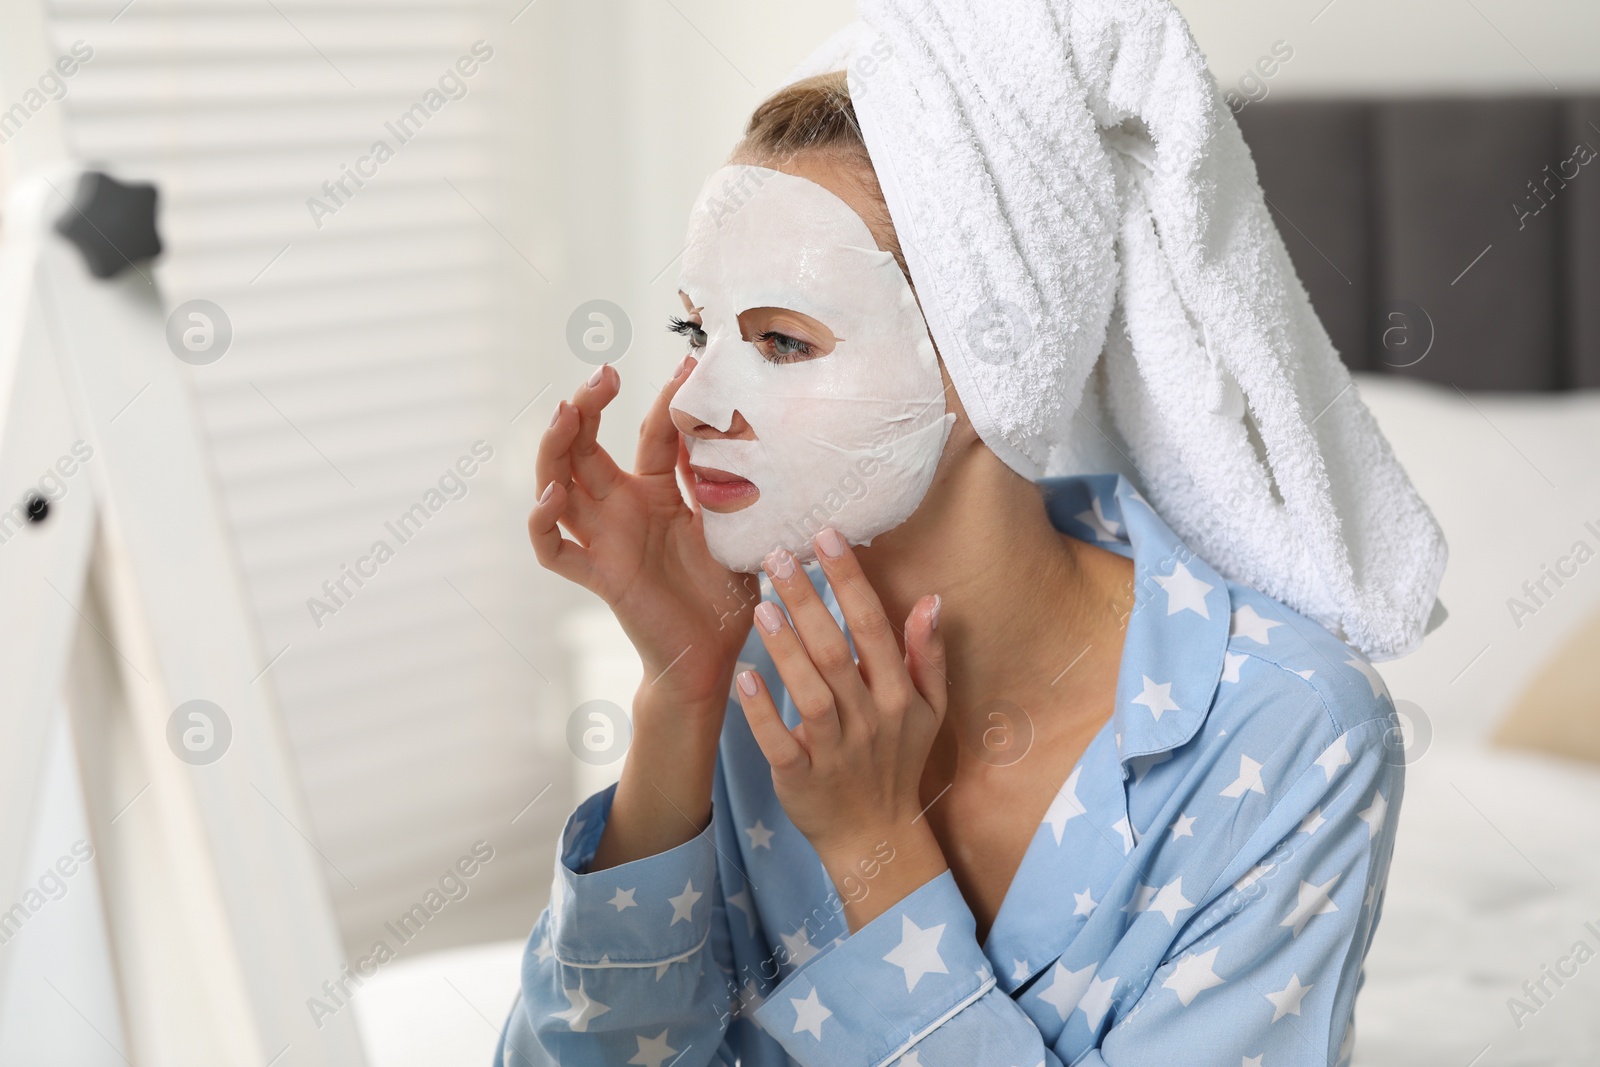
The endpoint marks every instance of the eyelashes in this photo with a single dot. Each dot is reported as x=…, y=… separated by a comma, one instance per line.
x=775, y=347
x=691, y=330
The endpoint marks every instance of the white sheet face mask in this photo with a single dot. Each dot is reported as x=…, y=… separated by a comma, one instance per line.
x=847, y=439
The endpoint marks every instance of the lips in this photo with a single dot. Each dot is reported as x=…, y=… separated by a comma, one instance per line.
x=721, y=490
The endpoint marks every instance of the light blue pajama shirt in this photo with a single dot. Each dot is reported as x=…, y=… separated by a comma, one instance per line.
x=1202, y=890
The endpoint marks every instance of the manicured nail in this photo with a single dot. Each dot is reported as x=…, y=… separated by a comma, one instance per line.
x=560, y=407
x=770, y=616
x=747, y=683
x=682, y=367
x=829, y=542
x=933, y=612
x=779, y=564
x=547, y=491
x=599, y=373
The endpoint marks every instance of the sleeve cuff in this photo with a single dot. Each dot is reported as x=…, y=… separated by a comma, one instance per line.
x=646, y=912
x=884, y=987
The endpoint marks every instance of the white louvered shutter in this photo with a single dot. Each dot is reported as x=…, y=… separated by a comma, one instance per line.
x=368, y=355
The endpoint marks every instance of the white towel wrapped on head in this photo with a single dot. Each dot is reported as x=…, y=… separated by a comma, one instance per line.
x=1098, y=267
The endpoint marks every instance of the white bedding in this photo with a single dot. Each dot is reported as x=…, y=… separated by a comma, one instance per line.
x=1469, y=917
x=1496, y=872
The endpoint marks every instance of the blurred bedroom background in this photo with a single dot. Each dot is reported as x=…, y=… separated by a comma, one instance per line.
x=1424, y=165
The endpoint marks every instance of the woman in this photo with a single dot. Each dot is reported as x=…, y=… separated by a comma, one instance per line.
x=1015, y=777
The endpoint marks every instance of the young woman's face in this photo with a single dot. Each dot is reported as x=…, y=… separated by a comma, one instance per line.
x=817, y=399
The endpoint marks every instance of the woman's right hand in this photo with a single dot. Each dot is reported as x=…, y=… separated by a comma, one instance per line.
x=639, y=546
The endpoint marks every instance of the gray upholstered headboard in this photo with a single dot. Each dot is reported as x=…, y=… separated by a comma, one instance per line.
x=1468, y=224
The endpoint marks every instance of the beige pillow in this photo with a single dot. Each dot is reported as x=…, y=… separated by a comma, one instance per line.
x=1559, y=711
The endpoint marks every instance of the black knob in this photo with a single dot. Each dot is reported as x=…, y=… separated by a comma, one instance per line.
x=38, y=508
x=112, y=223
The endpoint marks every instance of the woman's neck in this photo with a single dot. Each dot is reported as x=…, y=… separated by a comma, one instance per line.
x=1030, y=615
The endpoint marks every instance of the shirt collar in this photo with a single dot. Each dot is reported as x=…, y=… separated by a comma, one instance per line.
x=1177, y=630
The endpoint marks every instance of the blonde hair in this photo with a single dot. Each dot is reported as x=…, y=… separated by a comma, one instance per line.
x=816, y=115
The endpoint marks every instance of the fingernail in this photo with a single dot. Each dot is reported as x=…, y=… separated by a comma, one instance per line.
x=770, y=616
x=779, y=564
x=747, y=683
x=599, y=373
x=547, y=491
x=933, y=612
x=560, y=407
x=829, y=542
x=682, y=367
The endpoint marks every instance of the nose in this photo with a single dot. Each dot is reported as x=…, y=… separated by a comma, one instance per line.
x=738, y=428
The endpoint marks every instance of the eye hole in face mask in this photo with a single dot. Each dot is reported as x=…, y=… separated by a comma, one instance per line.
x=782, y=335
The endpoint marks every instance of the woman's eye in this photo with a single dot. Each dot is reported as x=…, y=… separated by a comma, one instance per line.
x=781, y=348
x=692, y=330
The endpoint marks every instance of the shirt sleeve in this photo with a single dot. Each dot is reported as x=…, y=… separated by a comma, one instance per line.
x=1267, y=972
x=626, y=965
x=911, y=986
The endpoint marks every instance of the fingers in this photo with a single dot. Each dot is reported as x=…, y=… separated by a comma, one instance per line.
x=553, y=466
x=566, y=558
x=813, y=696
x=881, y=660
x=826, y=650
x=591, y=464
x=925, y=655
x=782, y=749
x=659, y=439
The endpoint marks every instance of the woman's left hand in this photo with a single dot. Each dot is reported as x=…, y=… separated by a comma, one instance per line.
x=849, y=774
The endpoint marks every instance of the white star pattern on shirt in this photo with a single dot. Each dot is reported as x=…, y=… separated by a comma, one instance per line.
x=1246, y=623
x=1193, y=975
x=1095, y=518
x=1171, y=900
x=1066, y=988
x=1183, y=826
x=1231, y=662
x=581, y=1009
x=1335, y=756
x=917, y=954
x=1373, y=816
x=1253, y=1061
x=1158, y=698
x=653, y=1052
x=1313, y=822
x=1287, y=1000
x=799, y=946
x=1123, y=827
x=1096, y=1000
x=760, y=836
x=1019, y=970
x=910, y=1059
x=683, y=904
x=1374, y=679
x=1167, y=901
x=1185, y=591
x=1142, y=896
x=809, y=1014
x=1085, y=903
x=542, y=949
x=1313, y=901
x=623, y=899
x=1249, y=780
x=741, y=900
x=1066, y=806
